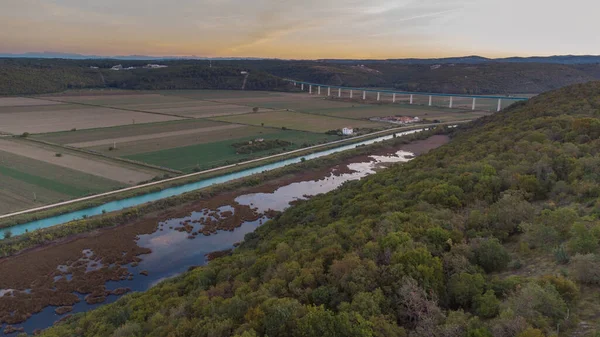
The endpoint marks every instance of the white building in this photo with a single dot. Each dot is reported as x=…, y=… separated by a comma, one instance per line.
x=117, y=67
x=155, y=66
x=347, y=131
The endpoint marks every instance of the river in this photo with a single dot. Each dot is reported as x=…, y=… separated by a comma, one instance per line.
x=170, y=252
x=173, y=191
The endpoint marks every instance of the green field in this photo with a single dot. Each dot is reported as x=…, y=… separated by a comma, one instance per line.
x=299, y=121
x=21, y=177
x=209, y=155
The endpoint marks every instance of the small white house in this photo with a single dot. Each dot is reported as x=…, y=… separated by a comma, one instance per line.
x=117, y=67
x=347, y=131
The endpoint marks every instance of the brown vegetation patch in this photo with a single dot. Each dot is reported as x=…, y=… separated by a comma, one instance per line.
x=11, y=329
x=63, y=310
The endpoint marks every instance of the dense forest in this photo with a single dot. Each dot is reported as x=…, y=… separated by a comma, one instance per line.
x=31, y=76
x=34, y=76
x=495, y=234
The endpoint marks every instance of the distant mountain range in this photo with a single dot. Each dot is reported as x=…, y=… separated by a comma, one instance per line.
x=559, y=59
x=57, y=55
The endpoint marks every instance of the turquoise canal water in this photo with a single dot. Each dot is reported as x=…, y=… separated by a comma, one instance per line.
x=173, y=191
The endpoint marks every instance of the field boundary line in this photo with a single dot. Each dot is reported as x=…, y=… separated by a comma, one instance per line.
x=93, y=153
x=120, y=109
x=217, y=101
x=127, y=189
x=159, y=135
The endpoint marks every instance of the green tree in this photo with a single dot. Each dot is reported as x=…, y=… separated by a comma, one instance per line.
x=463, y=288
x=487, y=305
x=491, y=255
x=583, y=241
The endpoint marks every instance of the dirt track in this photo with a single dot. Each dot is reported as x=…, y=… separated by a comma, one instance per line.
x=94, y=167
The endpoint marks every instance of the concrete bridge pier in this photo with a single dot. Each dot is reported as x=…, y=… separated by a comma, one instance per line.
x=310, y=89
x=319, y=90
x=351, y=93
x=499, y=105
x=451, y=101
x=302, y=86
x=339, y=92
x=364, y=95
x=394, y=98
x=378, y=96
x=474, y=103
x=430, y=100
x=411, y=99
x=328, y=91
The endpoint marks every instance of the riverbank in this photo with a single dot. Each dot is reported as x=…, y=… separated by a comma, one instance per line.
x=53, y=273
x=22, y=217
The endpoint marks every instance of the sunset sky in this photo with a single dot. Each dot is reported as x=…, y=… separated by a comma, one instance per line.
x=301, y=29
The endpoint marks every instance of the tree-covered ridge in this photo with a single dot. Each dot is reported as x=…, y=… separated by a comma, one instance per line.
x=36, y=76
x=25, y=76
x=445, y=245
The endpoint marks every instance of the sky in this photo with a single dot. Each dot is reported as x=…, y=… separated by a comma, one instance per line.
x=305, y=29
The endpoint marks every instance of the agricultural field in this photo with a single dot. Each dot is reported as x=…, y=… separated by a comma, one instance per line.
x=53, y=116
x=219, y=153
x=90, y=141
x=102, y=167
x=300, y=121
x=27, y=182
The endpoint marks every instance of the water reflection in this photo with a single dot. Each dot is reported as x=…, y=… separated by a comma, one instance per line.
x=174, y=251
x=283, y=196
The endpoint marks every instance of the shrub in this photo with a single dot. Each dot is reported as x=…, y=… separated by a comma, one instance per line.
x=487, y=305
x=516, y=265
x=7, y=234
x=567, y=289
x=583, y=241
x=464, y=287
x=58, y=154
x=480, y=332
x=25, y=134
x=540, y=305
x=491, y=255
x=586, y=268
x=74, y=129
x=561, y=255
x=531, y=332
x=255, y=109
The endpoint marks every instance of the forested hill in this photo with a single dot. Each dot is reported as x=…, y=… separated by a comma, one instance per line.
x=35, y=76
x=479, y=79
x=493, y=234
x=30, y=76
